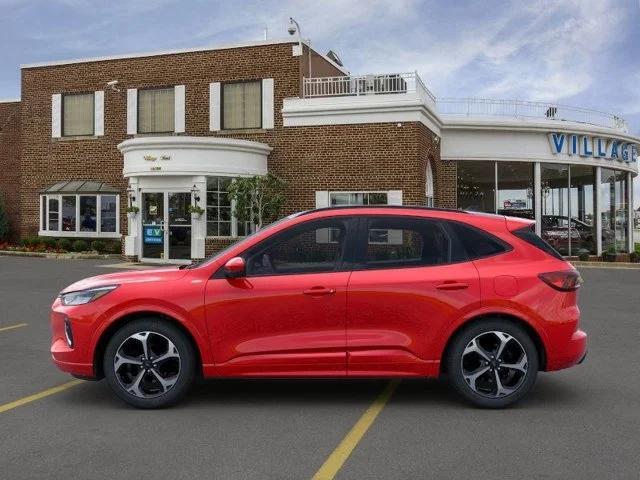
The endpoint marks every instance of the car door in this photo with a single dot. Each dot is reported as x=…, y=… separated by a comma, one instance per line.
x=407, y=285
x=287, y=315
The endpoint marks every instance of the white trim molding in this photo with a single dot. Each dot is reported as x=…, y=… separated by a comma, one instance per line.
x=56, y=115
x=215, y=108
x=179, y=108
x=267, y=103
x=98, y=113
x=132, y=111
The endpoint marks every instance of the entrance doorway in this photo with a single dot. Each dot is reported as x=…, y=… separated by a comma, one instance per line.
x=166, y=226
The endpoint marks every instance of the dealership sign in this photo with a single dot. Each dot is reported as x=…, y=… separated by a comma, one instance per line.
x=592, y=146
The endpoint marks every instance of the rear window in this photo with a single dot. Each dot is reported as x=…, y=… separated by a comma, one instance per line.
x=474, y=243
x=528, y=234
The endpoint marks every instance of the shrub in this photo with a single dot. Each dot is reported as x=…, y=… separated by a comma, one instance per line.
x=79, y=246
x=64, y=244
x=30, y=241
x=49, y=242
x=583, y=254
x=98, y=246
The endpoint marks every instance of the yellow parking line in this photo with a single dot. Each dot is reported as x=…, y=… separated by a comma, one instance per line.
x=11, y=327
x=334, y=463
x=37, y=396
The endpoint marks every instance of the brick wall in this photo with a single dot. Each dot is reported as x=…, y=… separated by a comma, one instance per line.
x=444, y=172
x=9, y=163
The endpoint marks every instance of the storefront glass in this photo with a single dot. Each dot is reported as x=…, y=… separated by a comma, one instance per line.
x=554, y=180
x=477, y=186
x=582, y=206
x=515, y=189
x=614, y=210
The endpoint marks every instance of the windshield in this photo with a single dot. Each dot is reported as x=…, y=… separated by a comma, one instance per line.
x=241, y=242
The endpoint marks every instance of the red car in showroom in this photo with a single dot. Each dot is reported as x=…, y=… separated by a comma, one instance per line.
x=336, y=292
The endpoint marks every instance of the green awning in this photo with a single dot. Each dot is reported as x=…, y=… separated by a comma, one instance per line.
x=80, y=187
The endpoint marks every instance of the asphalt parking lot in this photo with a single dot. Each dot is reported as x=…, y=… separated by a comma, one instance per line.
x=579, y=423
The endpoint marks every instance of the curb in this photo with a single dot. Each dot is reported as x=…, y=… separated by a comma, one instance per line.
x=60, y=256
x=612, y=265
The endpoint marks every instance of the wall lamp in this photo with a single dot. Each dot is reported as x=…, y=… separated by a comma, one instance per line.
x=196, y=193
x=132, y=195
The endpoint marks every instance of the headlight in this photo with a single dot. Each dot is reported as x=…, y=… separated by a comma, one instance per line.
x=82, y=297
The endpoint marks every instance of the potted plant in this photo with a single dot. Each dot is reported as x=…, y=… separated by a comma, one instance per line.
x=196, y=211
x=610, y=254
x=583, y=255
x=132, y=211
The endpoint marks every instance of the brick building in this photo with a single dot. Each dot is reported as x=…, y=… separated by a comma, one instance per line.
x=161, y=131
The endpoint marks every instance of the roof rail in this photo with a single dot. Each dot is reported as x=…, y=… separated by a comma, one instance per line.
x=405, y=207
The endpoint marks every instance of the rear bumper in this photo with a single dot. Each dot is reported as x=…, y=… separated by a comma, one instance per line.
x=573, y=353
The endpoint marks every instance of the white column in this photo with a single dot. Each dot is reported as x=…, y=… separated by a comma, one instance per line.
x=537, y=197
x=199, y=225
x=598, y=219
x=132, y=246
x=630, y=242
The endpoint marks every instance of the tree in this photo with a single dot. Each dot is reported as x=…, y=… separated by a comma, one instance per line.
x=4, y=221
x=257, y=199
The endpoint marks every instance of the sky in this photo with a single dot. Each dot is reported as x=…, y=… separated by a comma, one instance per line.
x=577, y=52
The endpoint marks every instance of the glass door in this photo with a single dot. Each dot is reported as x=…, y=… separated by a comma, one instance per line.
x=179, y=244
x=153, y=221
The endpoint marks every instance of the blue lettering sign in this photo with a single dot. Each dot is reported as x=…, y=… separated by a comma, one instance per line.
x=601, y=147
x=153, y=236
x=586, y=147
x=573, y=146
x=558, y=142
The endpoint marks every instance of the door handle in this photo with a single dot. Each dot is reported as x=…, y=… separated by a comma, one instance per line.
x=452, y=286
x=319, y=291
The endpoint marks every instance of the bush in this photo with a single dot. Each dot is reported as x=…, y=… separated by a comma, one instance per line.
x=30, y=241
x=49, y=242
x=4, y=222
x=64, y=244
x=98, y=246
x=583, y=254
x=79, y=246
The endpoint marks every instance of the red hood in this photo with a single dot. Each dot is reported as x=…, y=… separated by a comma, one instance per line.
x=139, y=276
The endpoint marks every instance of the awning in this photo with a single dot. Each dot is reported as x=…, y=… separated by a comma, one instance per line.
x=80, y=186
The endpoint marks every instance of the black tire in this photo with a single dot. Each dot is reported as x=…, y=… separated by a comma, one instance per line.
x=522, y=383
x=186, y=369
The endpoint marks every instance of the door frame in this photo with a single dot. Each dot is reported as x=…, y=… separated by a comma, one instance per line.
x=165, y=198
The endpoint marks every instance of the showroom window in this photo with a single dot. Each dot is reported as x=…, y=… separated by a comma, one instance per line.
x=78, y=114
x=242, y=105
x=156, y=110
x=614, y=210
x=79, y=215
x=515, y=189
x=220, y=219
x=477, y=186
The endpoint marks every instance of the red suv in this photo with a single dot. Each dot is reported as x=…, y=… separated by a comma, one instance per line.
x=337, y=292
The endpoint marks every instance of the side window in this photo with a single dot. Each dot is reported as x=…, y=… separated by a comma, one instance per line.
x=472, y=243
x=396, y=242
x=302, y=249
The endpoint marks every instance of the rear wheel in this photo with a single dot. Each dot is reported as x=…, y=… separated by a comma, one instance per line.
x=149, y=363
x=493, y=363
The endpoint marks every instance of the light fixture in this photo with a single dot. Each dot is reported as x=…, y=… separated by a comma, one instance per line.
x=132, y=195
x=294, y=27
x=196, y=193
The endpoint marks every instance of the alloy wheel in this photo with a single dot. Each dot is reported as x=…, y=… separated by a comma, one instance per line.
x=494, y=364
x=147, y=364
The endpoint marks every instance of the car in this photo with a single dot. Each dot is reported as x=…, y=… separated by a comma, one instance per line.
x=375, y=291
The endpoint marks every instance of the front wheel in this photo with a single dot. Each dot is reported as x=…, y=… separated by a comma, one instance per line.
x=149, y=363
x=493, y=363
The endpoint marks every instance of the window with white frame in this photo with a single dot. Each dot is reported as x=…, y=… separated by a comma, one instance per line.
x=220, y=219
x=429, y=186
x=156, y=110
x=337, y=199
x=242, y=105
x=78, y=114
x=79, y=215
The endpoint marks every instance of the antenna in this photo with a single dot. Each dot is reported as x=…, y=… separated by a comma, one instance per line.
x=266, y=32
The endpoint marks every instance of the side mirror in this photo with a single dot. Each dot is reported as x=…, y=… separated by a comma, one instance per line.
x=235, y=268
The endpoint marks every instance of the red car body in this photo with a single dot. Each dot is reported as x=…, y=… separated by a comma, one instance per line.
x=392, y=322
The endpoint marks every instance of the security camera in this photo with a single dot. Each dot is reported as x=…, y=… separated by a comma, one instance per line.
x=291, y=29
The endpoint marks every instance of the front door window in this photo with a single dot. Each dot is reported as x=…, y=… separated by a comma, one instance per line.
x=166, y=226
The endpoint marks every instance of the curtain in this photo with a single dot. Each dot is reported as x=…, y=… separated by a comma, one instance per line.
x=242, y=105
x=78, y=114
x=156, y=110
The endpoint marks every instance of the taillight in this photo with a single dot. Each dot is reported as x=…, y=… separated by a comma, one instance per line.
x=564, y=281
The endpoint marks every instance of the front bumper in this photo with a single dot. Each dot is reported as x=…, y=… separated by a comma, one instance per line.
x=76, y=360
x=573, y=353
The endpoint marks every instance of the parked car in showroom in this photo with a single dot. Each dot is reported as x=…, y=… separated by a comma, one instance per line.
x=336, y=292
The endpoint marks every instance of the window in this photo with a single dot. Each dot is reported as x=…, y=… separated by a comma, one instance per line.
x=417, y=242
x=78, y=215
x=614, y=210
x=242, y=105
x=298, y=250
x=515, y=189
x=472, y=243
x=529, y=235
x=429, y=186
x=358, y=198
x=218, y=207
x=156, y=110
x=477, y=186
x=78, y=114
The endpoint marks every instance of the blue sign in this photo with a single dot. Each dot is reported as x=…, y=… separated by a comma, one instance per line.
x=592, y=146
x=153, y=235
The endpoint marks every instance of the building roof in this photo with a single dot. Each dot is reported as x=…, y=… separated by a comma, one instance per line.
x=81, y=186
x=177, y=51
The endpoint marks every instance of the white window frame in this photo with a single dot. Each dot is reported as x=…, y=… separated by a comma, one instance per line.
x=234, y=221
x=429, y=186
x=365, y=192
x=45, y=232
